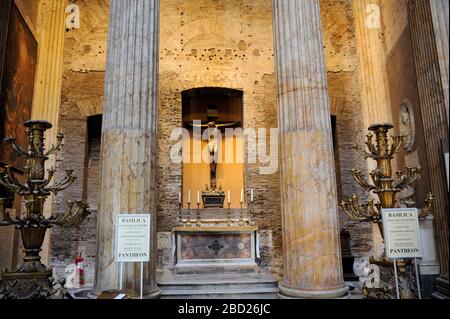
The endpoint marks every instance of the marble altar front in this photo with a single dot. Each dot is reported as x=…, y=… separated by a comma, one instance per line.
x=208, y=243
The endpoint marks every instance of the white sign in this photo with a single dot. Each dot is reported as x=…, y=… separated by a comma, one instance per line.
x=133, y=238
x=401, y=233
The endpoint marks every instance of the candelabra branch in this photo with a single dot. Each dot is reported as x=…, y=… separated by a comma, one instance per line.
x=75, y=214
x=34, y=226
x=51, y=173
x=397, y=142
x=6, y=218
x=412, y=175
x=13, y=180
x=56, y=148
x=368, y=212
x=384, y=187
x=361, y=152
x=8, y=181
x=361, y=180
x=19, y=150
x=62, y=185
x=351, y=215
x=428, y=207
x=373, y=151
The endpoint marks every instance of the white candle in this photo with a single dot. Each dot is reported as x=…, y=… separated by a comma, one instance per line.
x=251, y=195
x=189, y=197
x=242, y=195
x=229, y=197
x=179, y=198
x=198, y=197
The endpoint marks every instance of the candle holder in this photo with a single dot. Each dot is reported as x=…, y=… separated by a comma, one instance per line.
x=180, y=214
x=229, y=217
x=199, y=222
x=188, y=221
x=252, y=207
x=386, y=188
x=31, y=279
x=241, y=215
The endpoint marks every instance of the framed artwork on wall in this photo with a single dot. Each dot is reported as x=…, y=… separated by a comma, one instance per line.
x=18, y=57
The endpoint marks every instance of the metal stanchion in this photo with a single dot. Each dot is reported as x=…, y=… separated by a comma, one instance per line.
x=396, y=279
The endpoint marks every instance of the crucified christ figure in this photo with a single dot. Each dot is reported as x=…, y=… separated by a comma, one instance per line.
x=213, y=129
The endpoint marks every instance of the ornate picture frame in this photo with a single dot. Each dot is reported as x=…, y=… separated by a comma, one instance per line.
x=18, y=59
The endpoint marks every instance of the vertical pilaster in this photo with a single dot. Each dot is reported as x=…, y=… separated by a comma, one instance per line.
x=48, y=81
x=371, y=52
x=434, y=108
x=372, y=62
x=311, y=244
x=440, y=12
x=128, y=183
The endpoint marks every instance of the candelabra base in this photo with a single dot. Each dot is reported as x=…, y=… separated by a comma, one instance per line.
x=35, y=285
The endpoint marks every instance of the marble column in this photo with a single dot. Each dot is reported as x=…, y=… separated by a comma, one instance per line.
x=371, y=53
x=440, y=12
x=127, y=182
x=434, y=116
x=311, y=243
x=48, y=82
x=375, y=100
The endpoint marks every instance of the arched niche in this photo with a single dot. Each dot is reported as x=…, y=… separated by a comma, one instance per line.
x=223, y=106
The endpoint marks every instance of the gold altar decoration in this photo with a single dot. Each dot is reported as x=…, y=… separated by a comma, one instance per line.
x=31, y=278
x=385, y=187
x=214, y=229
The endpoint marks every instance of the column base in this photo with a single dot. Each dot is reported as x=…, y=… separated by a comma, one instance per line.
x=441, y=286
x=93, y=294
x=154, y=294
x=291, y=293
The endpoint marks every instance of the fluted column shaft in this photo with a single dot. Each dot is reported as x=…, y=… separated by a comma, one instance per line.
x=129, y=138
x=372, y=62
x=440, y=12
x=371, y=52
x=434, y=114
x=48, y=82
x=311, y=244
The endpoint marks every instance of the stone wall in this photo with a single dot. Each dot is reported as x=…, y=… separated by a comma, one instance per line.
x=82, y=96
x=206, y=43
x=218, y=44
x=400, y=61
x=345, y=98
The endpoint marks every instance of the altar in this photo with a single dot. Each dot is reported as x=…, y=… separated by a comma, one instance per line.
x=214, y=232
x=216, y=245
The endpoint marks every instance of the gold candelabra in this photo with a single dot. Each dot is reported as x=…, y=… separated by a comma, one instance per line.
x=386, y=188
x=35, y=191
x=383, y=184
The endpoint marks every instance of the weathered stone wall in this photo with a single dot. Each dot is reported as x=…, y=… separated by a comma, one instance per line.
x=82, y=96
x=401, y=73
x=218, y=44
x=344, y=91
x=206, y=43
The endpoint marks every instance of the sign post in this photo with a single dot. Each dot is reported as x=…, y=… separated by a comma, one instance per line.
x=402, y=238
x=133, y=242
x=396, y=279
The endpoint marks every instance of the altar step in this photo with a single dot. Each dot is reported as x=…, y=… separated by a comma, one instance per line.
x=218, y=286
